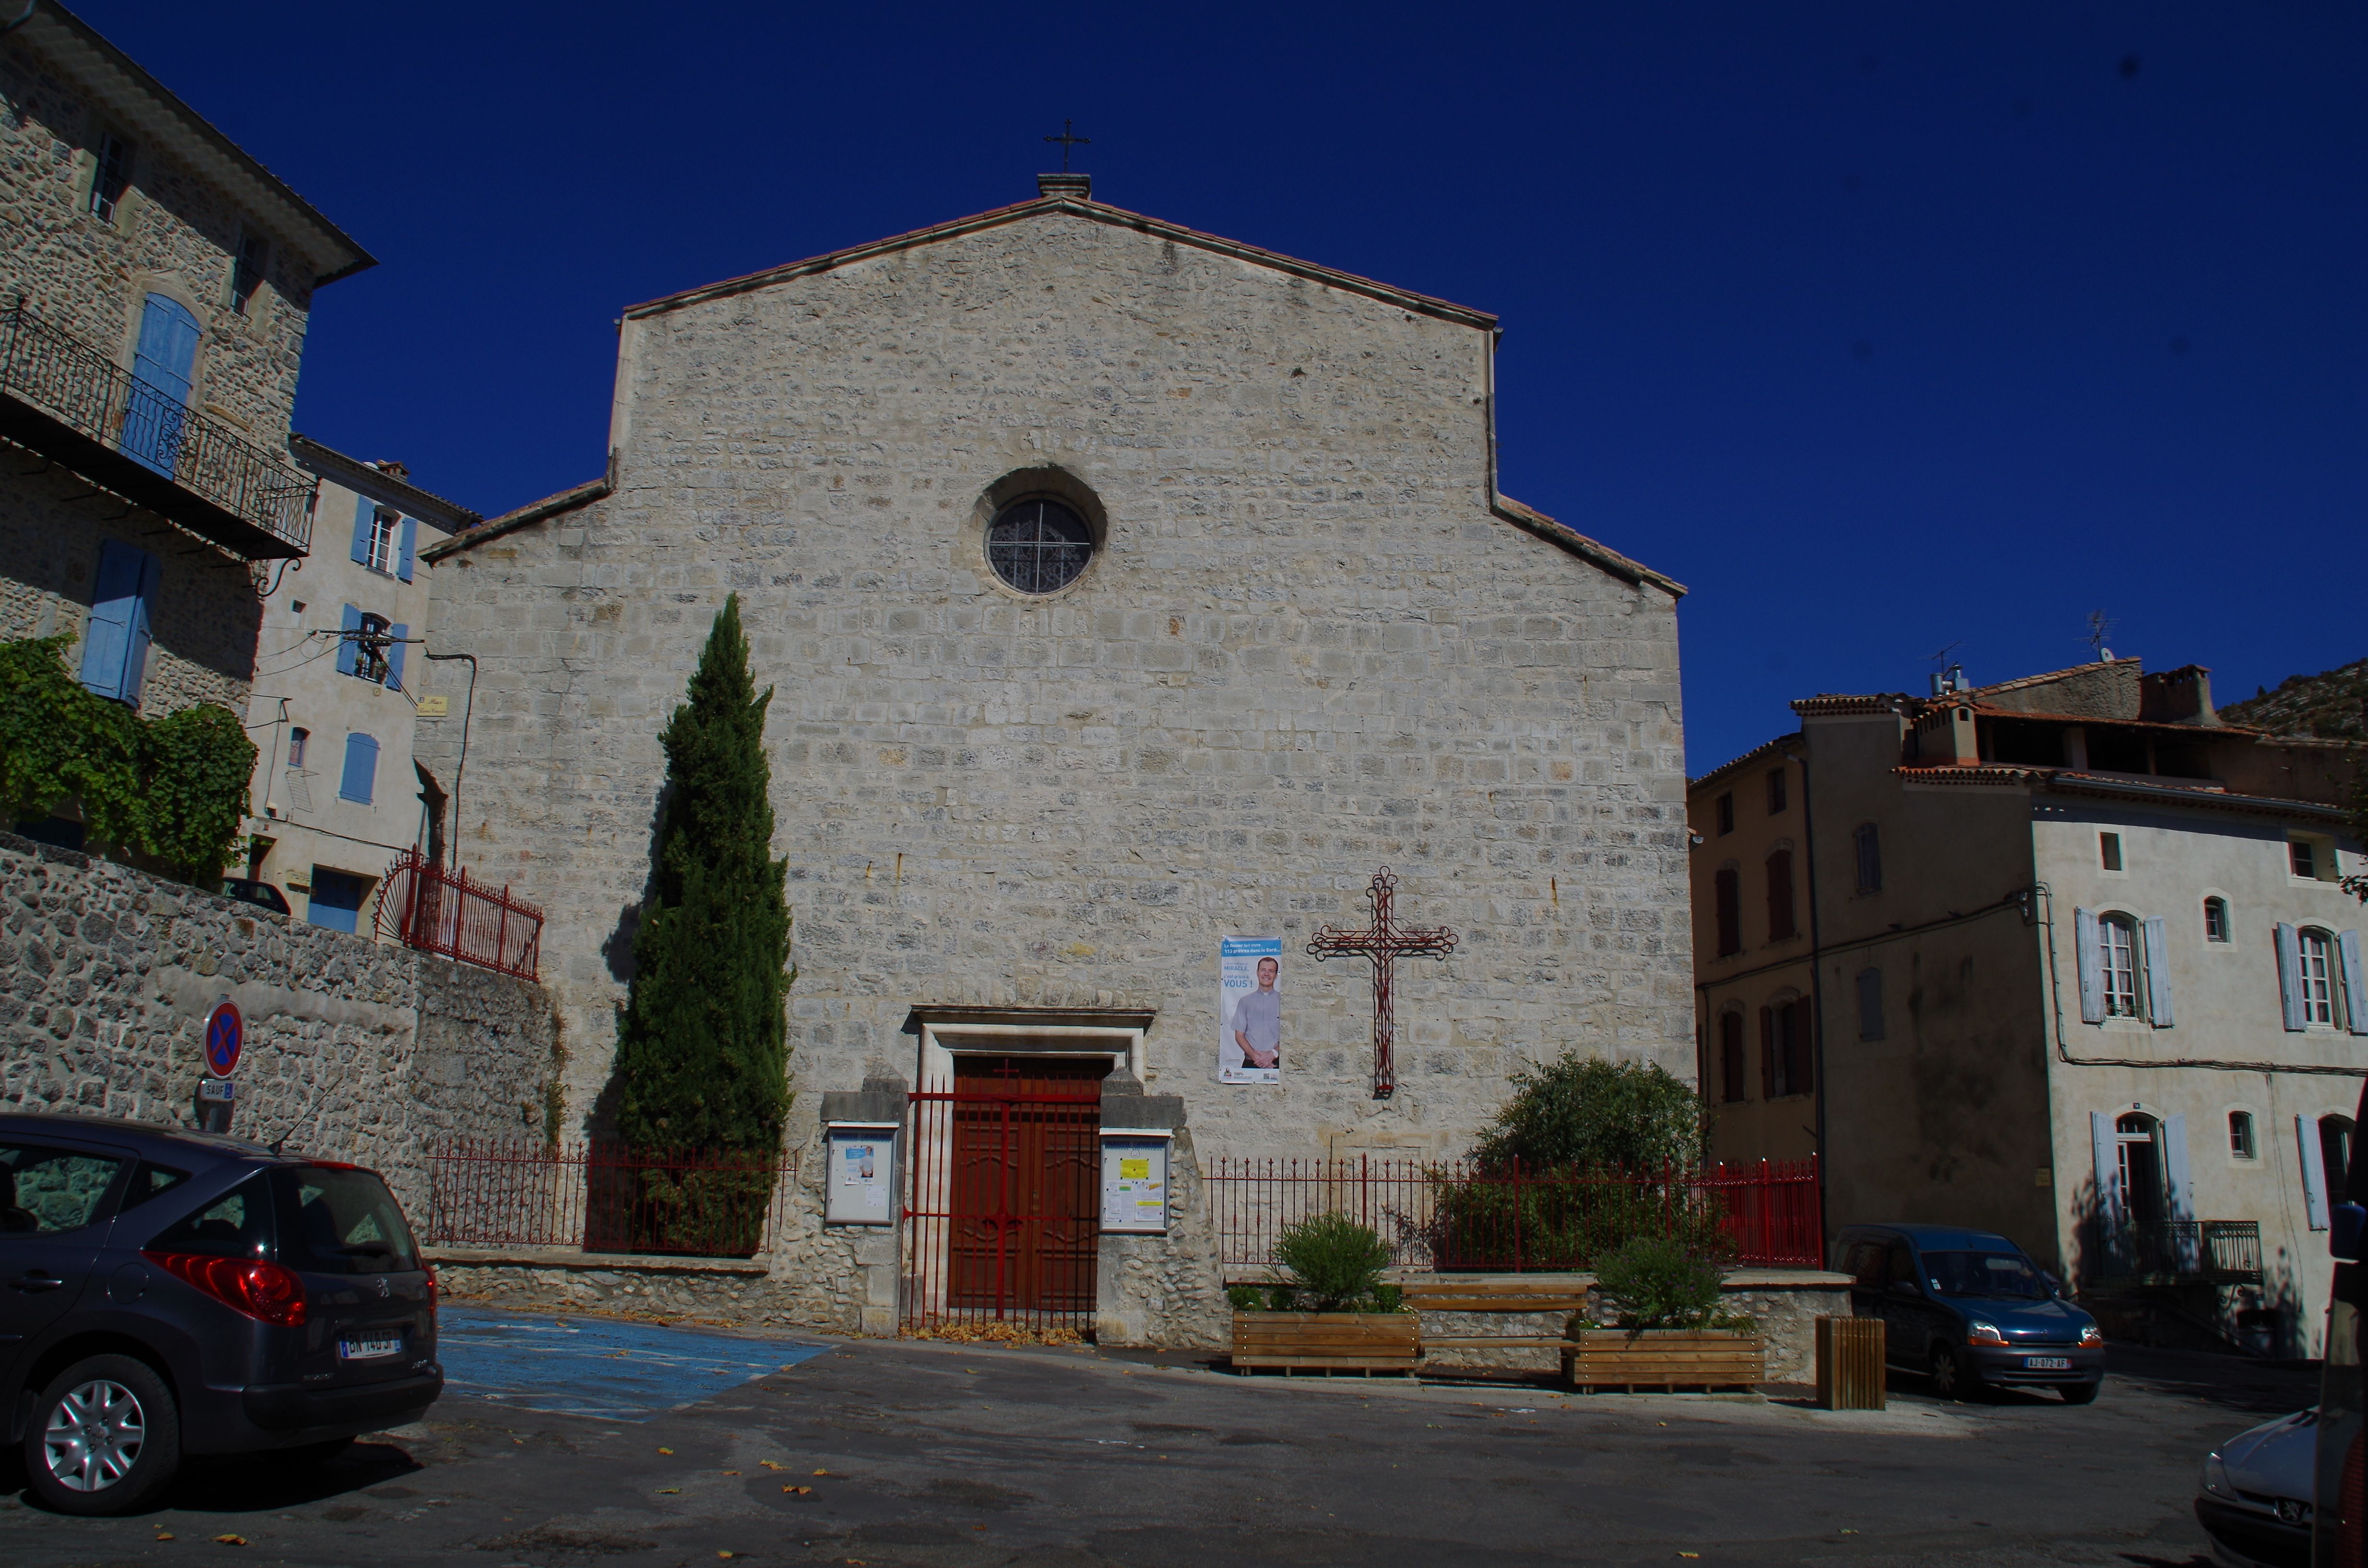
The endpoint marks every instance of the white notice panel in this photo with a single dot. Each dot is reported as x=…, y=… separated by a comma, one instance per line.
x=861, y=1174
x=1134, y=1181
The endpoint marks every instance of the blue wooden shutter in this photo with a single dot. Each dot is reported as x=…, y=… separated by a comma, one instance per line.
x=2092, y=966
x=348, y=650
x=395, y=657
x=115, y=645
x=2313, y=1172
x=410, y=545
x=365, y=518
x=2103, y=1149
x=361, y=769
x=164, y=363
x=2290, y=985
x=2355, y=992
x=2157, y=974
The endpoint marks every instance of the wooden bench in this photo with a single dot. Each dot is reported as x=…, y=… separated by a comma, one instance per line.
x=1664, y=1358
x=1327, y=1341
x=1483, y=1295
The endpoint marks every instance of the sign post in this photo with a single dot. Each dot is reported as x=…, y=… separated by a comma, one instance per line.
x=226, y=1038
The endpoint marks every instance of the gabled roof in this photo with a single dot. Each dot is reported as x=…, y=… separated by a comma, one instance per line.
x=152, y=112
x=1760, y=753
x=1078, y=207
x=363, y=479
x=567, y=500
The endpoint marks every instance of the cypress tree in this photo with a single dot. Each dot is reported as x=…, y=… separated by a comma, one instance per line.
x=701, y=1060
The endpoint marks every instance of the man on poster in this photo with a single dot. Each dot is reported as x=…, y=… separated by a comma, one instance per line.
x=1258, y=1020
x=1249, y=1010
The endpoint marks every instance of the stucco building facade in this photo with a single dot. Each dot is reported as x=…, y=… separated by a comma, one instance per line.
x=2085, y=974
x=1123, y=589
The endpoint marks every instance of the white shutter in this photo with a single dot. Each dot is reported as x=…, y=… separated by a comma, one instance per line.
x=2157, y=974
x=2091, y=966
x=2355, y=989
x=2314, y=1172
x=2109, y=1167
x=2290, y=980
x=2182, y=1190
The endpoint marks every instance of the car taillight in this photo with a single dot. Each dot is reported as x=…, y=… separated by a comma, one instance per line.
x=431, y=1285
x=264, y=1291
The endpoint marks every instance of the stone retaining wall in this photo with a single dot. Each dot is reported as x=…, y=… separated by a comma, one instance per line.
x=357, y=1050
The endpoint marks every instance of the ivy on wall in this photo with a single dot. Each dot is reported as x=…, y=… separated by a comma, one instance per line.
x=170, y=791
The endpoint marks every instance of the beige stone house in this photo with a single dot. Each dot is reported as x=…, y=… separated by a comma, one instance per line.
x=1124, y=590
x=337, y=795
x=2085, y=975
x=157, y=282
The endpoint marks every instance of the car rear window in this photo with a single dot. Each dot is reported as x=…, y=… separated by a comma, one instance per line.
x=236, y=1225
x=341, y=1221
x=1985, y=1274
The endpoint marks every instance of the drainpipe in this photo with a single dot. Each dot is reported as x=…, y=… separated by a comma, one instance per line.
x=1817, y=980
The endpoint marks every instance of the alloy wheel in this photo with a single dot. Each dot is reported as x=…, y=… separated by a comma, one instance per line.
x=94, y=1435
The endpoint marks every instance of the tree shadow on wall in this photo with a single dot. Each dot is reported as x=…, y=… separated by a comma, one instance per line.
x=617, y=952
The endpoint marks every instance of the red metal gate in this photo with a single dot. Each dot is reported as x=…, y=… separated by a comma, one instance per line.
x=1003, y=1193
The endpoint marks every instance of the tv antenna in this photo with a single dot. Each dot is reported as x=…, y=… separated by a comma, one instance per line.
x=2100, y=626
x=1941, y=659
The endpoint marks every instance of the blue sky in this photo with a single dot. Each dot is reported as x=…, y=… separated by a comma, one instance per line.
x=1880, y=326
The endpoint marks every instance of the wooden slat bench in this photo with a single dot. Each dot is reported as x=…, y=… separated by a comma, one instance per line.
x=1664, y=1358
x=1561, y=1297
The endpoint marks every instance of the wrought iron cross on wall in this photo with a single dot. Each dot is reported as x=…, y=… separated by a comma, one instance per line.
x=1384, y=943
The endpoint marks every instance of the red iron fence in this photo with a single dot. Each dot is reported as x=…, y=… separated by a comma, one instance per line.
x=437, y=910
x=1453, y=1215
x=605, y=1198
x=1003, y=1212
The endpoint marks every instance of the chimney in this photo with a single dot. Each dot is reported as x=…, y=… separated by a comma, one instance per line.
x=1065, y=187
x=2182, y=696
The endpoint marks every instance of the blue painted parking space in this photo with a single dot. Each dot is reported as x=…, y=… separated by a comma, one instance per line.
x=623, y=1372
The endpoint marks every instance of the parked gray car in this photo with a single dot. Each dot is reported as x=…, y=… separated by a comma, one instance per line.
x=167, y=1293
x=2256, y=1498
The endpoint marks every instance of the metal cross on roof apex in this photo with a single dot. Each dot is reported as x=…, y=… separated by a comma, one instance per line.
x=1067, y=140
x=1383, y=943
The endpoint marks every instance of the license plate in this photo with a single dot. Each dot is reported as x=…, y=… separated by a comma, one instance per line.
x=370, y=1349
x=2048, y=1363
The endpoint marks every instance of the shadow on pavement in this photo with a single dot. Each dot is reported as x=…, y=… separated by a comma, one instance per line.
x=244, y=1483
x=2232, y=1382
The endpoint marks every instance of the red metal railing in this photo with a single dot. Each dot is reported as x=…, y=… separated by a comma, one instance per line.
x=1454, y=1215
x=1002, y=1208
x=437, y=910
x=605, y=1198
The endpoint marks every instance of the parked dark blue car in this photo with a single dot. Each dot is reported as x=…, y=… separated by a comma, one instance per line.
x=164, y=1294
x=1968, y=1309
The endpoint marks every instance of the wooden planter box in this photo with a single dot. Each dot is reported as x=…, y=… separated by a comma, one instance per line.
x=1327, y=1341
x=1666, y=1358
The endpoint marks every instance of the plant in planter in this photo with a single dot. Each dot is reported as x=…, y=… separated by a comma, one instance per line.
x=1352, y=1322
x=1671, y=1331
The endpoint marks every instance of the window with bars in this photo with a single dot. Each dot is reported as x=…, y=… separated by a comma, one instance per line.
x=2117, y=954
x=1039, y=547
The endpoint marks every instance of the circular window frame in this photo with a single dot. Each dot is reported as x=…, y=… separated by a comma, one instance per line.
x=1047, y=484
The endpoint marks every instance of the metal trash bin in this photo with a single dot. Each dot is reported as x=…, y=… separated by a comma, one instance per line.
x=1850, y=1363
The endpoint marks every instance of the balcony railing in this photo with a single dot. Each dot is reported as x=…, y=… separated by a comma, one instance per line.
x=69, y=402
x=423, y=905
x=2211, y=1252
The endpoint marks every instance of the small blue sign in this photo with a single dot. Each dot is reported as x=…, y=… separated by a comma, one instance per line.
x=225, y=1035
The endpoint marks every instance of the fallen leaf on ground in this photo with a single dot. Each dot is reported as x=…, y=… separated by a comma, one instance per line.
x=1687, y=1553
x=669, y=1491
x=768, y=1464
x=723, y=1554
x=163, y=1535
x=801, y=1491
x=731, y=1473
x=670, y=1450
x=231, y=1540
x=826, y=1472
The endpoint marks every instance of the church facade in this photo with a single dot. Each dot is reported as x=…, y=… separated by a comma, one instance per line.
x=1130, y=597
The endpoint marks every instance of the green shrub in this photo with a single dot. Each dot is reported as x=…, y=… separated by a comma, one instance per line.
x=1246, y=1298
x=1655, y=1282
x=1588, y=1112
x=170, y=791
x=1337, y=1261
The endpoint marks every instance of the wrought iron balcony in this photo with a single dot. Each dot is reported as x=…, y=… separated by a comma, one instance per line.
x=2211, y=1252
x=69, y=402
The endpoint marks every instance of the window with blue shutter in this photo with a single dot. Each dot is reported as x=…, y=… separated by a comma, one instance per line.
x=394, y=657
x=365, y=523
x=123, y=606
x=410, y=547
x=361, y=769
x=163, y=364
x=350, y=651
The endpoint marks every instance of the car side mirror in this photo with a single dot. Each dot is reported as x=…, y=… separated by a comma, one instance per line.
x=2345, y=1223
x=2055, y=1286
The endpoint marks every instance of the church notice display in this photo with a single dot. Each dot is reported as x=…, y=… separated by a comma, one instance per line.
x=1249, y=1010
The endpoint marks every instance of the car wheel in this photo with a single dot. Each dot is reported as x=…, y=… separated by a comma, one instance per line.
x=105, y=1437
x=314, y=1453
x=2082, y=1393
x=1949, y=1380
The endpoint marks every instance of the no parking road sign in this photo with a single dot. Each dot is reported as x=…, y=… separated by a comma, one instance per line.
x=225, y=1034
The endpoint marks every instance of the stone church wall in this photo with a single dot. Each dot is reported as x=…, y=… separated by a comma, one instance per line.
x=1305, y=648
x=354, y=1049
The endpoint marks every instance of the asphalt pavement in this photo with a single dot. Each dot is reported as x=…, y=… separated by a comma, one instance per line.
x=631, y=1445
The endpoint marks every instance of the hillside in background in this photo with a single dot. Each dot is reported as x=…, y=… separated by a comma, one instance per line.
x=2328, y=705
